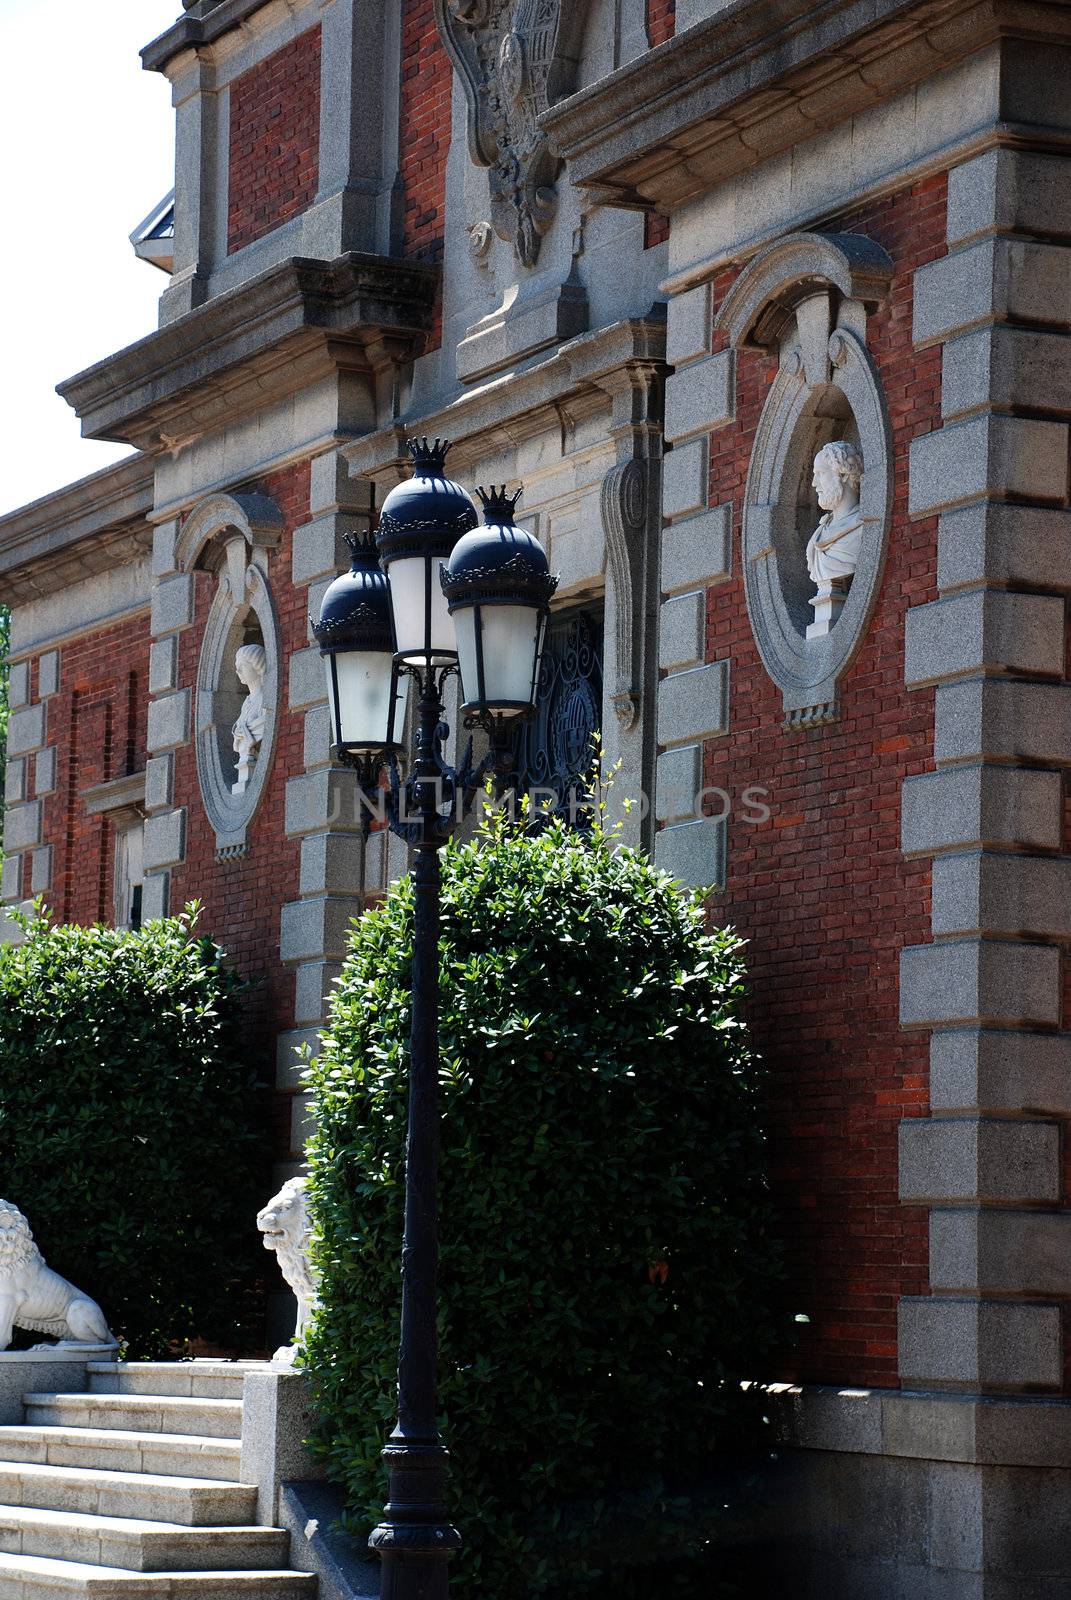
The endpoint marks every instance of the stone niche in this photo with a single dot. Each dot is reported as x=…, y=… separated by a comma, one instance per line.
x=806, y=300
x=230, y=536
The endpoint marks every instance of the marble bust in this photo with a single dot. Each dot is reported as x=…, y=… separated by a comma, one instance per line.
x=251, y=666
x=833, y=548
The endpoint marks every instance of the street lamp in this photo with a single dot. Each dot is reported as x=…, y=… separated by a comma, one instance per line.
x=448, y=589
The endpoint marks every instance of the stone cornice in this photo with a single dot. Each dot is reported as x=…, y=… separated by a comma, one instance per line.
x=87, y=527
x=581, y=375
x=204, y=22
x=760, y=76
x=279, y=331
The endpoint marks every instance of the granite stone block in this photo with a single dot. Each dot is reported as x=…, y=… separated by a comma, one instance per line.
x=979, y=631
x=693, y=852
x=996, y=719
x=701, y=396
x=979, y=1161
x=961, y=981
x=697, y=551
x=681, y=631
x=26, y=730
x=48, y=674
x=974, y=806
x=169, y=721
x=684, y=479
x=172, y=604
x=694, y=704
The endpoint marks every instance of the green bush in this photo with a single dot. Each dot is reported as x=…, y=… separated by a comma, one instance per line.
x=129, y=1126
x=605, y=1260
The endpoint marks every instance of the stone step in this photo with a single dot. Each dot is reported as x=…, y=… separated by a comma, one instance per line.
x=140, y=1546
x=143, y=1413
x=153, y=1497
x=136, y=1545
x=204, y=1380
x=40, y=1578
x=184, y=1455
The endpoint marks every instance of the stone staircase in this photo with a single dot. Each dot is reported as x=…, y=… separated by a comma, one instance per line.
x=132, y=1491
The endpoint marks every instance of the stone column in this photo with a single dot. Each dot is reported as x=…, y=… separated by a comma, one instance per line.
x=693, y=694
x=630, y=506
x=202, y=137
x=322, y=805
x=352, y=206
x=988, y=1160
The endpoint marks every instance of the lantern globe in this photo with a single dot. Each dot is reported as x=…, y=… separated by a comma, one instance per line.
x=498, y=588
x=421, y=521
x=366, y=695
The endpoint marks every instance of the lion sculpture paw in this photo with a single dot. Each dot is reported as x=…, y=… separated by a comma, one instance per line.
x=34, y=1297
x=284, y=1222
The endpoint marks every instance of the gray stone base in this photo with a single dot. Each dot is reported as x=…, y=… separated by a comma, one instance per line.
x=884, y=1495
x=25, y=1372
x=310, y=1512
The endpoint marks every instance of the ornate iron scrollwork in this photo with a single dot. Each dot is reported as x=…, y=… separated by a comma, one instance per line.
x=515, y=58
x=556, y=759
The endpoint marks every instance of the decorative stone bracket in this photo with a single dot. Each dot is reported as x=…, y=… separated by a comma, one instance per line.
x=624, y=518
x=514, y=62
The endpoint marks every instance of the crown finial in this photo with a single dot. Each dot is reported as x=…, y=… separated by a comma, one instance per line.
x=429, y=460
x=498, y=504
x=362, y=549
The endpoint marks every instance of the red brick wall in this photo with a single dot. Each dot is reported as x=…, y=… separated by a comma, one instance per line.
x=821, y=891
x=97, y=723
x=661, y=21
x=274, y=141
x=243, y=898
x=424, y=140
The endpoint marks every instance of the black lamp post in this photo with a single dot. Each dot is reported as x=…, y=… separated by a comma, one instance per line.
x=448, y=589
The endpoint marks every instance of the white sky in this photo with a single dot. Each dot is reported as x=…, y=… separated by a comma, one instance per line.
x=86, y=150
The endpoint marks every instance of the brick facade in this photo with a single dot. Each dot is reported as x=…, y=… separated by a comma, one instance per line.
x=243, y=898
x=273, y=169
x=96, y=721
x=821, y=891
x=661, y=21
x=424, y=140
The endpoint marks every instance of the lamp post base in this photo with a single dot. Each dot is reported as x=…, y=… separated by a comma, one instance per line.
x=415, y=1540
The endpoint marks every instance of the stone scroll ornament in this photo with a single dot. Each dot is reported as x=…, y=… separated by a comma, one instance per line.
x=35, y=1298
x=515, y=58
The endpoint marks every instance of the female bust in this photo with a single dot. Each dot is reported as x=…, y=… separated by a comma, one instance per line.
x=251, y=665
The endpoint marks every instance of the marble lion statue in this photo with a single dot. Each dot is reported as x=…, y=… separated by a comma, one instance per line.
x=284, y=1222
x=32, y=1296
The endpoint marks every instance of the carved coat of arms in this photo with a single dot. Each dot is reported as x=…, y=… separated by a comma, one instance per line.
x=515, y=58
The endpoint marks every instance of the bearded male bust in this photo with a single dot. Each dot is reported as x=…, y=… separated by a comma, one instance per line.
x=34, y=1297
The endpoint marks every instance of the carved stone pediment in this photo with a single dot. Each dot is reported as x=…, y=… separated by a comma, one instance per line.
x=515, y=58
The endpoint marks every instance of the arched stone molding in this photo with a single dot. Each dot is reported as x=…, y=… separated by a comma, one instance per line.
x=805, y=410
x=230, y=535
x=847, y=272
x=241, y=614
x=212, y=522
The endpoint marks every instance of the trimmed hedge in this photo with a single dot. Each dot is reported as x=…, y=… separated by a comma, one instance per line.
x=130, y=1126
x=604, y=1214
